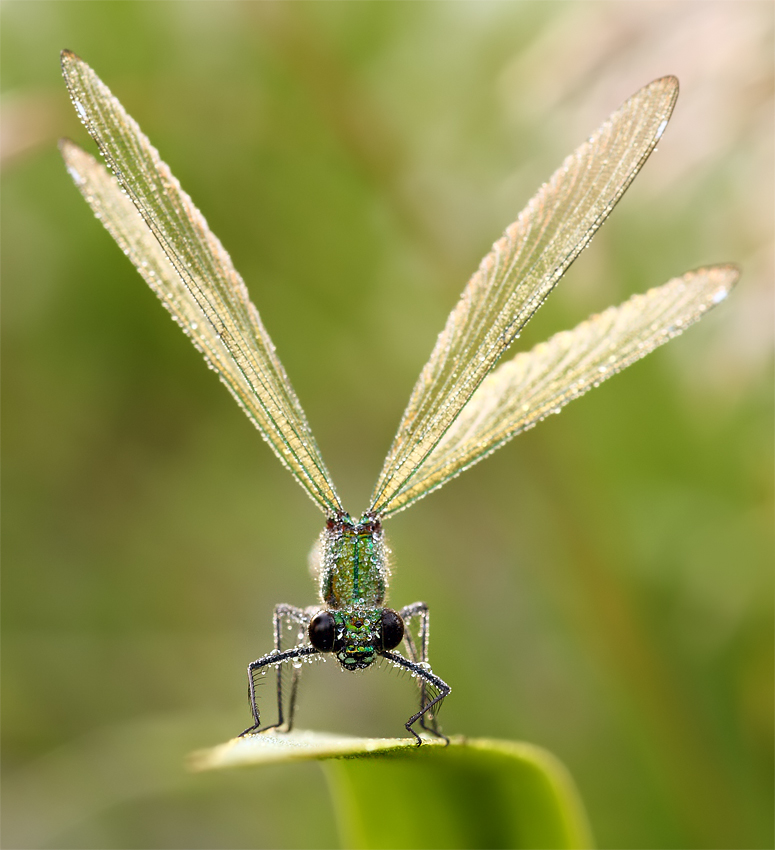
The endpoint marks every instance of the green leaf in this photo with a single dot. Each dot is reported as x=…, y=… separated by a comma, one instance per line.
x=387, y=792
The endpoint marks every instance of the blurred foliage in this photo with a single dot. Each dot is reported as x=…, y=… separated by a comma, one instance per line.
x=602, y=586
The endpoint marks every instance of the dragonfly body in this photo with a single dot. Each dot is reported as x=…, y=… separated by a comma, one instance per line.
x=350, y=561
x=462, y=407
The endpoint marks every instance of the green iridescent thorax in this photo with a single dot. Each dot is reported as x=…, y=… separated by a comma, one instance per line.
x=350, y=561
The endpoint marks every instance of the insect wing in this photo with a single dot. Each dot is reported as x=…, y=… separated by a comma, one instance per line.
x=531, y=386
x=514, y=279
x=166, y=237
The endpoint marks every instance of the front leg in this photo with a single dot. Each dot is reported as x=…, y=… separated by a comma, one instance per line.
x=417, y=650
x=278, y=658
x=289, y=616
x=428, y=679
x=285, y=617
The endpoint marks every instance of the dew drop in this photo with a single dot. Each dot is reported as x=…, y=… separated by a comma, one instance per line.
x=77, y=179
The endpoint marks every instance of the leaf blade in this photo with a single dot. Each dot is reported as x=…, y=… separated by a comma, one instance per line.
x=473, y=793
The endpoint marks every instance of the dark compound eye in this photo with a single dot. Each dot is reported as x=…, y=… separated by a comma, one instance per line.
x=322, y=631
x=392, y=628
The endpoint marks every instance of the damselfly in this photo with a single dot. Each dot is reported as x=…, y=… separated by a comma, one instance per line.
x=462, y=408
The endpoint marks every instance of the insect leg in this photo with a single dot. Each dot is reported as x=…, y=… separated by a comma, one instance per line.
x=418, y=652
x=423, y=671
x=288, y=616
x=417, y=649
x=275, y=657
x=284, y=614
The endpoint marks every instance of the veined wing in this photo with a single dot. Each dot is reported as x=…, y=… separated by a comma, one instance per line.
x=514, y=279
x=535, y=384
x=166, y=237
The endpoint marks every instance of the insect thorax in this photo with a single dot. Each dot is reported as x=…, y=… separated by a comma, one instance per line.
x=350, y=562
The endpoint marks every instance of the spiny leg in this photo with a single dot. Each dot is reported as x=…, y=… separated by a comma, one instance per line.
x=288, y=615
x=274, y=658
x=418, y=652
x=423, y=671
x=407, y=614
x=283, y=615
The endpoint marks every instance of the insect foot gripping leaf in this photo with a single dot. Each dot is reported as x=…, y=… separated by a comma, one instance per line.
x=462, y=407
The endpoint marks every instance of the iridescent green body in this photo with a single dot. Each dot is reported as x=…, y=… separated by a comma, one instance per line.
x=350, y=561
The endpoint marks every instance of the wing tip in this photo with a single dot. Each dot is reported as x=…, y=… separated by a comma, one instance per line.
x=729, y=271
x=668, y=83
x=730, y=274
x=70, y=150
x=666, y=88
x=68, y=57
x=721, y=278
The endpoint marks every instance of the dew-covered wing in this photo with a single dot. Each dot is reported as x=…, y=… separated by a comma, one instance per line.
x=517, y=275
x=534, y=384
x=166, y=237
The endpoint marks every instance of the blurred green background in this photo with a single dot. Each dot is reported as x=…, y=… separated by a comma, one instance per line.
x=601, y=587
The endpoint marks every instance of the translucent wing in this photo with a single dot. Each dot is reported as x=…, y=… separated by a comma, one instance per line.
x=166, y=237
x=534, y=384
x=514, y=279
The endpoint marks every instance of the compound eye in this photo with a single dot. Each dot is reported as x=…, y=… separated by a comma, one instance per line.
x=392, y=628
x=322, y=630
